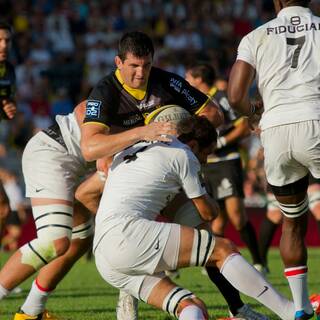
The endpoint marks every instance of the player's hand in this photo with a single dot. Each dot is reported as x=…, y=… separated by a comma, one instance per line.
x=9, y=108
x=159, y=131
x=255, y=116
x=103, y=165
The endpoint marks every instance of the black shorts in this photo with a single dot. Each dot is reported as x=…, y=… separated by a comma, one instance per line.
x=224, y=179
x=313, y=180
x=13, y=218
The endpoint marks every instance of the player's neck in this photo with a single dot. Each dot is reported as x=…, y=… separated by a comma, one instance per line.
x=139, y=94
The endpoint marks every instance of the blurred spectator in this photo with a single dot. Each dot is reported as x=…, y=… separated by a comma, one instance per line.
x=18, y=214
x=61, y=103
x=62, y=48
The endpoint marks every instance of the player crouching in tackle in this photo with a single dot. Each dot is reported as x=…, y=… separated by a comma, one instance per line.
x=132, y=251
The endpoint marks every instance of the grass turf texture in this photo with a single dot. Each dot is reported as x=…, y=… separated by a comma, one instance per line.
x=83, y=295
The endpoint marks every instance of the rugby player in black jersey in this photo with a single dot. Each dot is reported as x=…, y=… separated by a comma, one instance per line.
x=118, y=105
x=223, y=172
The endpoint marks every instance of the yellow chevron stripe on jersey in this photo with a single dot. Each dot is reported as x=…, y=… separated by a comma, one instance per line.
x=139, y=94
x=94, y=122
x=212, y=91
x=202, y=107
x=239, y=120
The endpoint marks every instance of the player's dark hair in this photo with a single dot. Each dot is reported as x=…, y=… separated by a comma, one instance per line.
x=204, y=71
x=197, y=128
x=137, y=43
x=5, y=26
x=301, y=3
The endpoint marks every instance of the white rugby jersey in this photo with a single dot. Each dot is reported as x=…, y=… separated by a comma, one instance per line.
x=285, y=53
x=144, y=178
x=71, y=133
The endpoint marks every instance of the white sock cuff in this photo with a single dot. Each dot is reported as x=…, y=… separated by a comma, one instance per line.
x=3, y=292
x=228, y=259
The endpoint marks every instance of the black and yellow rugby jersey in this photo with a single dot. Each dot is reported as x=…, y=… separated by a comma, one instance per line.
x=112, y=103
x=230, y=120
x=7, y=81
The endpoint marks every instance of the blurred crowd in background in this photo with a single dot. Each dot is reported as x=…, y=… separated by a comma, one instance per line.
x=62, y=48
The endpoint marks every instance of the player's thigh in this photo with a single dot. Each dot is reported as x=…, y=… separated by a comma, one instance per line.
x=131, y=251
x=236, y=211
x=49, y=170
x=306, y=148
x=129, y=283
x=286, y=156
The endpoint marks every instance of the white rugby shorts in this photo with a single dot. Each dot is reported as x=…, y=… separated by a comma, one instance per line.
x=291, y=151
x=125, y=257
x=49, y=170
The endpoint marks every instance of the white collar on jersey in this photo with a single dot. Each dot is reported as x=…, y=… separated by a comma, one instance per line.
x=293, y=10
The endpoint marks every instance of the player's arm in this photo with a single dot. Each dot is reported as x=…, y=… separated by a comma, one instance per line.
x=97, y=141
x=207, y=207
x=241, y=130
x=240, y=80
x=9, y=108
x=89, y=192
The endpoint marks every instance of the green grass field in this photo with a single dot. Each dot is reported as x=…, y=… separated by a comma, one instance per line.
x=83, y=295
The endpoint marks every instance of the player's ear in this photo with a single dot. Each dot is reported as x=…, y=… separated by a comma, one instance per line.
x=118, y=62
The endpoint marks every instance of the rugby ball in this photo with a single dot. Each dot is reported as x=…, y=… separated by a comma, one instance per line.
x=170, y=112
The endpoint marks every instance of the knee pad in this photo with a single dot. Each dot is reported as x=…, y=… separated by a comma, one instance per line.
x=52, y=222
x=203, y=244
x=38, y=253
x=173, y=298
x=295, y=210
x=314, y=198
x=83, y=230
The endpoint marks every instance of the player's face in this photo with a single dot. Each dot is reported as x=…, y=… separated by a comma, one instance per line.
x=5, y=41
x=135, y=70
x=192, y=80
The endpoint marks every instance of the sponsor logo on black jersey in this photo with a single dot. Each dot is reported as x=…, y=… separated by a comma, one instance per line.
x=176, y=84
x=93, y=108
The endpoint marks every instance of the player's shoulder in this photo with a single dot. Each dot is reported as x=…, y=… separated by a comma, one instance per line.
x=161, y=74
x=262, y=29
x=180, y=150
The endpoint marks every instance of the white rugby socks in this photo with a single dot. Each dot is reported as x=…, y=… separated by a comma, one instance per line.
x=191, y=312
x=249, y=281
x=36, y=300
x=297, y=278
x=3, y=292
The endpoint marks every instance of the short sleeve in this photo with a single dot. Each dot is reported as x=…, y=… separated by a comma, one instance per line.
x=246, y=50
x=189, y=172
x=98, y=104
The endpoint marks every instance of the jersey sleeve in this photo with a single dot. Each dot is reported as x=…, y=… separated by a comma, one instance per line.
x=245, y=50
x=97, y=105
x=184, y=94
x=189, y=171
